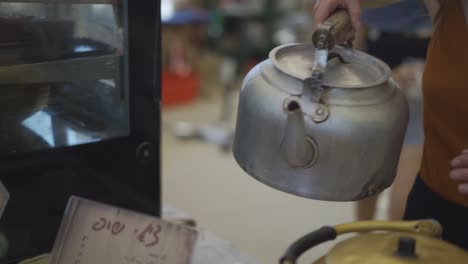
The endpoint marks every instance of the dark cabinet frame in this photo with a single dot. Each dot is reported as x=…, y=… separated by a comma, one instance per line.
x=124, y=172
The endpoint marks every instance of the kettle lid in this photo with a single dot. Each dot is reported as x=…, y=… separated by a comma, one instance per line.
x=346, y=68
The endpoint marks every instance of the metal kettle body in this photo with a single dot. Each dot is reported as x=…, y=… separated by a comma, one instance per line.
x=344, y=146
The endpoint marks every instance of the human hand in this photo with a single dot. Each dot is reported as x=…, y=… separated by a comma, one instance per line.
x=459, y=172
x=324, y=8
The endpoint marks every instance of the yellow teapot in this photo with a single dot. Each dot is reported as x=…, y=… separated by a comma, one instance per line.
x=412, y=242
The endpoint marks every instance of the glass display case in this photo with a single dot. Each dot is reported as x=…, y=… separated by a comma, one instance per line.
x=79, y=112
x=63, y=73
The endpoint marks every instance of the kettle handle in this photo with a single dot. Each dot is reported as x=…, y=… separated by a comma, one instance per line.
x=336, y=30
x=425, y=227
x=307, y=242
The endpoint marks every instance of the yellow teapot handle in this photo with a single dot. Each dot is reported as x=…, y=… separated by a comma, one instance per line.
x=423, y=227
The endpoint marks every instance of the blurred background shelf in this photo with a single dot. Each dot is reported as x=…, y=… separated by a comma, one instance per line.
x=92, y=68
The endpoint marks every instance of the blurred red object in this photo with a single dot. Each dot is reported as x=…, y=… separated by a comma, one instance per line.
x=179, y=89
x=250, y=65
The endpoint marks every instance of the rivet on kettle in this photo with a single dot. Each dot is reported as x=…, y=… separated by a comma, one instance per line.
x=320, y=112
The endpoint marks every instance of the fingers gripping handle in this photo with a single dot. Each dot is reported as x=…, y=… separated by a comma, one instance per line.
x=336, y=30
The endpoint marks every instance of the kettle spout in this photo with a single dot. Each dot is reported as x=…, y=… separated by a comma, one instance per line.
x=296, y=146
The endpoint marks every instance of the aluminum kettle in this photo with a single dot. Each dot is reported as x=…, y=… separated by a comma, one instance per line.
x=341, y=142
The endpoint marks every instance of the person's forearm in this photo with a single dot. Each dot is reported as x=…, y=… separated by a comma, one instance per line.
x=432, y=7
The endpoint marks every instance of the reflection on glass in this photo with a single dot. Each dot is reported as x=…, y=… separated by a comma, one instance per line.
x=63, y=78
x=41, y=124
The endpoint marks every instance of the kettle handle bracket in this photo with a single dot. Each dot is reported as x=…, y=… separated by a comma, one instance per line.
x=321, y=114
x=317, y=111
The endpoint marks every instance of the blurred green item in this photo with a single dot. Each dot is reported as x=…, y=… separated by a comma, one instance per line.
x=3, y=246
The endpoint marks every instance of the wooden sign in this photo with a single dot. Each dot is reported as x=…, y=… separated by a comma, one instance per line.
x=94, y=233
